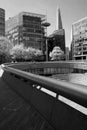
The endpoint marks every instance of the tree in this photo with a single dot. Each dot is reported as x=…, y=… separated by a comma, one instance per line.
x=5, y=47
x=21, y=53
x=56, y=54
x=38, y=55
x=17, y=52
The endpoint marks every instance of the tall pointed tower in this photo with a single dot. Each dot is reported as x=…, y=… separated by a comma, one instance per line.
x=57, y=38
x=59, y=20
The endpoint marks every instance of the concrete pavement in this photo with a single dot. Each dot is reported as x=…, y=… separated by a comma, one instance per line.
x=16, y=113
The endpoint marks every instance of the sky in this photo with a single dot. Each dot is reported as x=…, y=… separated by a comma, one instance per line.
x=71, y=11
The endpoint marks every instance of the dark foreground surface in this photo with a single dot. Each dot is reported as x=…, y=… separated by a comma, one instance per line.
x=16, y=113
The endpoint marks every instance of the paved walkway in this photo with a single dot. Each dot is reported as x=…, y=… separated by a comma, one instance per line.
x=16, y=113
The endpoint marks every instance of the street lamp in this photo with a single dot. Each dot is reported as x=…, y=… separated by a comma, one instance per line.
x=46, y=24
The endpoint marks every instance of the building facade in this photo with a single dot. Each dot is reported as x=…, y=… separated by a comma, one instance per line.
x=2, y=22
x=79, y=40
x=26, y=28
x=57, y=39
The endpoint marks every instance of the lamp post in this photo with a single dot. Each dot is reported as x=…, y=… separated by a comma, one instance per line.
x=46, y=24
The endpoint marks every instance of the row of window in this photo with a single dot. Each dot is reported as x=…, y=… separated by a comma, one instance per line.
x=32, y=30
x=33, y=35
x=30, y=25
x=31, y=18
x=80, y=51
x=80, y=40
x=32, y=44
x=34, y=22
x=13, y=30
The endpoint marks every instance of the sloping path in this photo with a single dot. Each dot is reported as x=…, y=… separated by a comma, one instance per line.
x=16, y=113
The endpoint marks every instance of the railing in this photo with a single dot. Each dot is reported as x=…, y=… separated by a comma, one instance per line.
x=50, y=68
x=72, y=91
x=58, y=114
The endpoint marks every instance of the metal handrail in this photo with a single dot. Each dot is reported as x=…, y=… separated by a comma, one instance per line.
x=74, y=92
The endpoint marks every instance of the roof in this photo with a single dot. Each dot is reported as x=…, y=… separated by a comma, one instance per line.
x=32, y=14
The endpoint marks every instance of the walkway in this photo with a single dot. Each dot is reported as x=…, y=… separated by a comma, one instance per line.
x=16, y=113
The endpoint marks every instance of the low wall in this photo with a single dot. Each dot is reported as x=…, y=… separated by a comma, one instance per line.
x=44, y=68
x=50, y=68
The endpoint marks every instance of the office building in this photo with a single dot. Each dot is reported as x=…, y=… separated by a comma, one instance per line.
x=2, y=22
x=26, y=28
x=79, y=40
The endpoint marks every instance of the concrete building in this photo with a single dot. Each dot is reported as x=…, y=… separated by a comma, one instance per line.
x=57, y=38
x=79, y=40
x=2, y=22
x=26, y=28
